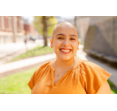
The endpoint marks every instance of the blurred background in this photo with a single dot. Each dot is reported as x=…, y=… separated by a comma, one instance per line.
x=24, y=46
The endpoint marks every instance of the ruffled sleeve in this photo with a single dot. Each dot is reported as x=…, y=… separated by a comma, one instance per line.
x=31, y=82
x=94, y=77
x=38, y=73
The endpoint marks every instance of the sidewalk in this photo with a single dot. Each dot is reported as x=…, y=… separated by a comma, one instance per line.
x=14, y=67
x=11, y=50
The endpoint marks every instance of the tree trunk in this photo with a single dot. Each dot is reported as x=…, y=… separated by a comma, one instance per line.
x=45, y=30
x=75, y=19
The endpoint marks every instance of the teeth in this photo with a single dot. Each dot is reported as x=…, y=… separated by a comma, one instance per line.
x=65, y=50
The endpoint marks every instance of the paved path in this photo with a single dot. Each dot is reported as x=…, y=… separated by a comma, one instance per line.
x=11, y=50
x=13, y=67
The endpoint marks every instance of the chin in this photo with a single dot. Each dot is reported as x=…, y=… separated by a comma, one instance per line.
x=65, y=58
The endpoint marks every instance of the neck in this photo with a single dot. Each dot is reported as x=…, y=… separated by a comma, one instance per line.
x=64, y=64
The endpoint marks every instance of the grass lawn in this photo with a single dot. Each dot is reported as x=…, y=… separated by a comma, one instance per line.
x=39, y=50
x=114, y=91
x=17, y=83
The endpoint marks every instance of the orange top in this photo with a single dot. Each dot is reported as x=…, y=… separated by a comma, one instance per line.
x=84, y=77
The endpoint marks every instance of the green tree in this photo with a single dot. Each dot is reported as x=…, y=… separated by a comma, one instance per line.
x=45, y=25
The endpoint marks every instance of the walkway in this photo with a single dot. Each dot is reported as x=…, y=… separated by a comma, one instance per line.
x=11, y=50
x=14, y=67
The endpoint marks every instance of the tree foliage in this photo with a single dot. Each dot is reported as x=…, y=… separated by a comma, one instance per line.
x=45, y=25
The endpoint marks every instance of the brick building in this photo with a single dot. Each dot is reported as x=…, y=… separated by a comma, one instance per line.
x=11, y=29
x=29, y=28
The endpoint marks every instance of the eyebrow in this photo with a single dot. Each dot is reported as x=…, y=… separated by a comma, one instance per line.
x=64, y=35
x=60, y=34
x=73, y=35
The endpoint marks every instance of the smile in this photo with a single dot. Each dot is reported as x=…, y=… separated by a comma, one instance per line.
x=65, y=51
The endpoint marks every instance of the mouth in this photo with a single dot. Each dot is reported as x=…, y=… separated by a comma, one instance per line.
x=65, y=51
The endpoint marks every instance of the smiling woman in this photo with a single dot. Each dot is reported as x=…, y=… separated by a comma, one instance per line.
x=65, y=42
x=68, y=74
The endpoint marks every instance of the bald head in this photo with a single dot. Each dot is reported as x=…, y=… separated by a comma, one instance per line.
x=64, y=26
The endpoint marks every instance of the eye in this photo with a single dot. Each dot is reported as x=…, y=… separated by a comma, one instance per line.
x=72, y=39
x=60, y=37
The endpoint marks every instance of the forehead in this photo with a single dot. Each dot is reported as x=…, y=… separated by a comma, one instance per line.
x=65, y=29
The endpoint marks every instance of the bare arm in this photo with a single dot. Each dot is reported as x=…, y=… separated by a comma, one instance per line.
x=104, y=89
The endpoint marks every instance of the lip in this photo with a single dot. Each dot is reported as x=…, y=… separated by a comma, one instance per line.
x=65, y=49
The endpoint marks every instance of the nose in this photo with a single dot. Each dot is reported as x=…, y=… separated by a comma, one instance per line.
x=66, y=42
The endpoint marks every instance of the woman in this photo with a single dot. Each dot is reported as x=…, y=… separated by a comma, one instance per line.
x=68, y=74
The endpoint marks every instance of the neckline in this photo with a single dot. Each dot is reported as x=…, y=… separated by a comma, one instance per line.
x=79, y=61
x=53, y=70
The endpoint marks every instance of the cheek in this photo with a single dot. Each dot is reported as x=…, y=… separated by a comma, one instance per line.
x=74, y=44
x=56, y=45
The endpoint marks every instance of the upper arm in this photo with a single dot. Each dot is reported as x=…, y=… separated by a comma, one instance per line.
x=104, y=89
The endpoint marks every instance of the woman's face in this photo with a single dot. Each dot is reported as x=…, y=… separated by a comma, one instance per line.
x=65, y=42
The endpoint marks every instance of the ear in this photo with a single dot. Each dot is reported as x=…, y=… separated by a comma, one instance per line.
x=51, y=43
x=78, y=46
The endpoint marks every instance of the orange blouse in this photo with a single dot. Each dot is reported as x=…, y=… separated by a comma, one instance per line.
x=84, y=78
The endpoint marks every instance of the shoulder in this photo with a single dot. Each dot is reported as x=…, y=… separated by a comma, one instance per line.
x=45, y=65
x=42, y=68
x=90, y=67
x=38, y=73
x=88, y=64
x=94, y=76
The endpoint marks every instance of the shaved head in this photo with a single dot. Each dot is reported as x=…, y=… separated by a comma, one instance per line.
x=64, y=25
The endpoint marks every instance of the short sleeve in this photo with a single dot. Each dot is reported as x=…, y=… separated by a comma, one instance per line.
x=31, y=81
x=95, y=78
x=37, y=74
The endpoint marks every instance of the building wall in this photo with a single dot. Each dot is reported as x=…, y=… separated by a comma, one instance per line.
x=11, y=29
x=109, y=30
x=101, y=39
x=84, y=22
x=29, y=28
